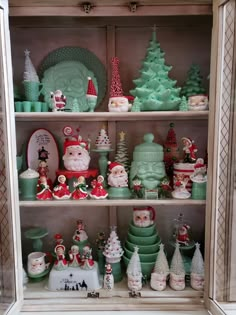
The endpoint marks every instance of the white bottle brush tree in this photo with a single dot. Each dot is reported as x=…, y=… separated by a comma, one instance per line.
x=30, y=73
x=122, y=155
x=197, y=265
x=177, y=264
x=113, y=250
x=134, y=266
x=161, y=265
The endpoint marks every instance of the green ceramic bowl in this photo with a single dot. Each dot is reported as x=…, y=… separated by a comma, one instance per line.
x=143, y=257
x=142, y=231
x=146, y=267
x=144, y=249
x=143, y=240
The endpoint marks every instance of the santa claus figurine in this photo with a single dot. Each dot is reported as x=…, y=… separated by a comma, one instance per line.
x=182, y=235
x=98, y=192
x=61, y=190
x=61, y=262
x=80, y=191
x=118, y=176
x=74, y=255
x=76, y=155
x=58, y=101
x=108, y=280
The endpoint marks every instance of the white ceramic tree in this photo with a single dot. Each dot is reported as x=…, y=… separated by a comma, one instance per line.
x=30, y=73
x=113, y=250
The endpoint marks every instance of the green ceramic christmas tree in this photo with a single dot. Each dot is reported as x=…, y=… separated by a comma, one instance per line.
x=154, y=89
x=75, y=105
x=193, y=84
x=183, y=106
x=122, y=155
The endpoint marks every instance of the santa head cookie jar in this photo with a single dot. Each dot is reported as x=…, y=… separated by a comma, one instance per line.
x=76, y=152
x=117, y=101
x=118, y=176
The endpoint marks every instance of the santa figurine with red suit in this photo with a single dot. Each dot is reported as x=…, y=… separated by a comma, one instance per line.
x=58, y=101
x=117, y=101
x=118, y=176
x=183, y=236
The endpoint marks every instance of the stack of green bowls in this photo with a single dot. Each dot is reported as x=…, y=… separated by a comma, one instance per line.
x=148, y=242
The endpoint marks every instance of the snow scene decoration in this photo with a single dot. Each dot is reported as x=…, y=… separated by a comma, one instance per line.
x=113, y=250
x=134, y=272
x=160, y=272
x=177, y=271
x=197, y=269
x=154, y=90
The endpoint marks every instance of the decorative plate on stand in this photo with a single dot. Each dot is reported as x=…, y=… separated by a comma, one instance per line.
x=82, y=55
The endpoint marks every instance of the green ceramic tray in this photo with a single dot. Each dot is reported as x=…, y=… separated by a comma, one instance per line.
x=86, y=57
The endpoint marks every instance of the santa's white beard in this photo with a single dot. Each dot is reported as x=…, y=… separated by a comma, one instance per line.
x=72, y=164
x=118, y=181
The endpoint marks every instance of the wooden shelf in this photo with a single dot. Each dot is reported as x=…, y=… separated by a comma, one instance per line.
x=112, y=203
x=112, y=116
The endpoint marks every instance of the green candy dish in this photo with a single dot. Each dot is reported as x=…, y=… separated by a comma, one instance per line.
x=146, y=267
x=144, y=249
x=142, y=231
x=143, y=240
x=143, y=257
x=36, y=234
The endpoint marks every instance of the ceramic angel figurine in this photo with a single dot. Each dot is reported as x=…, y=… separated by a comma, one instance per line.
x=80, y=191
x=74, y=255
x=58, y=101
x=45, y=192
x=98, y=192
x=61, y=190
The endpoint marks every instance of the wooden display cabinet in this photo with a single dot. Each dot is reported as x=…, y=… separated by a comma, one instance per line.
x=122, y=29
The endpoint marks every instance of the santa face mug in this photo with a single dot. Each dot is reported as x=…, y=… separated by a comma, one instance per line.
x=36, y=263
x=135, y=282
x=158, y=281
x=177, y=282
x=143, y=217
x=197, y=281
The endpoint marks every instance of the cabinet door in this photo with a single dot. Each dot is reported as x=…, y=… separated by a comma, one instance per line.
x=222, y=211
x=10, y=267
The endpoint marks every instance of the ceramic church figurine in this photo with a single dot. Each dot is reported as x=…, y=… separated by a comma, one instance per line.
x=58, y=101
x=98, y=192
x=45, y=192
x=80, y=191
x=108, y=281
x=189, y=149
x=61, y=190
x=74, y=255
x=60, y=262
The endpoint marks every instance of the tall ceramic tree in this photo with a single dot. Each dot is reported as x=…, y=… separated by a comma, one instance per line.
x=154, y=89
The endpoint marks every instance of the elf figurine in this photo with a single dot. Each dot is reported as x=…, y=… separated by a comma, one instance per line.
x=98, y=192
x=87, y=261
x=165, y=188
x=108, y=281
x=45, y=192
x=61, y=190
x=58, y=101
x=61, y=262
x=74, y=255
x=80, y=191
x=189, y=149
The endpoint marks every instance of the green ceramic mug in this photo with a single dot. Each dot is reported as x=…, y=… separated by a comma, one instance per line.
x=28, y=181
x=32, y=90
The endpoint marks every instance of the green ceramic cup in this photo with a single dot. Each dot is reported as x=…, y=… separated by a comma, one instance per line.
x=32, y=90
x=18, y=107
x=44, y=106
x=28, y=181
x=27, y=106
x=37, y=106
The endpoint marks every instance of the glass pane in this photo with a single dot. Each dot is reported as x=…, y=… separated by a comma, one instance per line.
x=7, y=276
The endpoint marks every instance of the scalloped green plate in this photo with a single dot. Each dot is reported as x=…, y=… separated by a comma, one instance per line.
x=86, y=57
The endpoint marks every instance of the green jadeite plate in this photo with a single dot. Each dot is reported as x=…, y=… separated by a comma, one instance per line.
x=85, y=57
x=71, y=77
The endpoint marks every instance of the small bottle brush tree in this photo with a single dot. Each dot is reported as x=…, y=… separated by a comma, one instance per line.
x=154, y=89
x=161, y=265
x=122, y=155
x=177, y=271
x=197, y=265
x=183, y=107
x=30, y=73
x=134, y=272
x=193, y=84
x=113, y=250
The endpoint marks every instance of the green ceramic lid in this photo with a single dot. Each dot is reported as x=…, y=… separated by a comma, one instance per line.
x=148, y=151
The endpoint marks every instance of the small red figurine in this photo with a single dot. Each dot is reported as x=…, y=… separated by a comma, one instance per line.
x=98, y=192
x=183, y=237
x=190, y=150
x=58, y=101
x=61, y=190
x=61, y=262
x=80, y=191
x=45, y=192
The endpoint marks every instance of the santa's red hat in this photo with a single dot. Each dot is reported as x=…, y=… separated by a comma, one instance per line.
x=91, y=91
x=113, y=164
x=75, y=143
